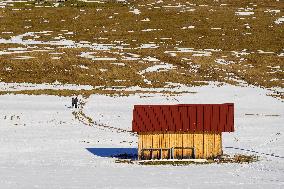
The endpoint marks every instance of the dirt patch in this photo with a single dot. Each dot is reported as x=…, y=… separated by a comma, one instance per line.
x=238, y=158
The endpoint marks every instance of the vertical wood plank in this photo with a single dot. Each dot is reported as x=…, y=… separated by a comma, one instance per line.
x=157, y=144
x=165, y=144
x=190, y=137
x=154, y=145
x=211, y=144
x=180, y=144
x=218, y=143
x=170, y=140
x=142, y=142
x=176, y=144
x=205, y=145
x=202, y=144
x=196, y=145
x=162, y=144
x=148, y=144
x=144, y=145
x=139, y=145
x=215, y=144
x=184, y=144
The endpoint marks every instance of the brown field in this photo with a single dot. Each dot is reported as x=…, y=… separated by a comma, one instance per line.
x=251, y=47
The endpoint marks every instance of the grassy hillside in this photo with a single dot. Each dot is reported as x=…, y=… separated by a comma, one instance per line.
x=234, y=42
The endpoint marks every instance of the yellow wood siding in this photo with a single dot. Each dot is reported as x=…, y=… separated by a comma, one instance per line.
x=207, y=145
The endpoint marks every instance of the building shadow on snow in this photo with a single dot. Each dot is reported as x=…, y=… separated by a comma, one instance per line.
x=120, y=153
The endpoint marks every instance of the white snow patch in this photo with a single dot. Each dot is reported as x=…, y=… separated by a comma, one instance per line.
x=104, y=58
x=205, y=52
x=53, y=86
x=166, y=38
x=223, y=61
x=118, y=63
x=244, y=12
x=90, y=55
x=146, y=20
x=264, y=52
x=69, y=33
x=62, y=42
x=240, y=53
x=279, y=20
x=83, y=67
x=8, y=69
x=148, y=46
x=87, y=55
x=135, y=11
x=173, y=54
x=273, y=11
x=23, y=57
x=158, y=68
x=188, y=27
x=55, y=58
x=151, y=59
x=149, y=30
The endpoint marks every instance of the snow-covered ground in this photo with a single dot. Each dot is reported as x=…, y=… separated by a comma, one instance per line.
x=42, y=145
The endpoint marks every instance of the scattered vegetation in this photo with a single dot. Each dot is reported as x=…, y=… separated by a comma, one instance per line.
x=238, y=158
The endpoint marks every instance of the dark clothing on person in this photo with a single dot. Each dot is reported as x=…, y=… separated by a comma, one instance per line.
x=76, y=102
x=73, y=102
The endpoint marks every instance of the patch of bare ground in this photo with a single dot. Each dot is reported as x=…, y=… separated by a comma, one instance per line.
x=238, y=158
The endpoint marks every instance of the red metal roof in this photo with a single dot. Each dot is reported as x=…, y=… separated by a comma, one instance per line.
x=184, y=117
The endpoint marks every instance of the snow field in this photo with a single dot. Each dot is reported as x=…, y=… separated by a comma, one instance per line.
x=44, y=146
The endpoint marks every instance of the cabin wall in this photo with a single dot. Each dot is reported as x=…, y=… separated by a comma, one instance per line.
x=207, y=145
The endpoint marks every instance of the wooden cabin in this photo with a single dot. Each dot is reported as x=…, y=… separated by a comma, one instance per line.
x=181, y=131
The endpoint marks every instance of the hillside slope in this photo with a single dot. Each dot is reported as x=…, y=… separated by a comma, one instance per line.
x=144, y=43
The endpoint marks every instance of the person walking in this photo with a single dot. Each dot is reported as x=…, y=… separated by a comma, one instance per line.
x=76, y=102
x=73, y=102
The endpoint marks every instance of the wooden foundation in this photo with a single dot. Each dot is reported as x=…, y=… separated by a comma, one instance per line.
x=206, y=145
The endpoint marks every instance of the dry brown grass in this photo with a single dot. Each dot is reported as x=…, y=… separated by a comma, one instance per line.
x=98, y=24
